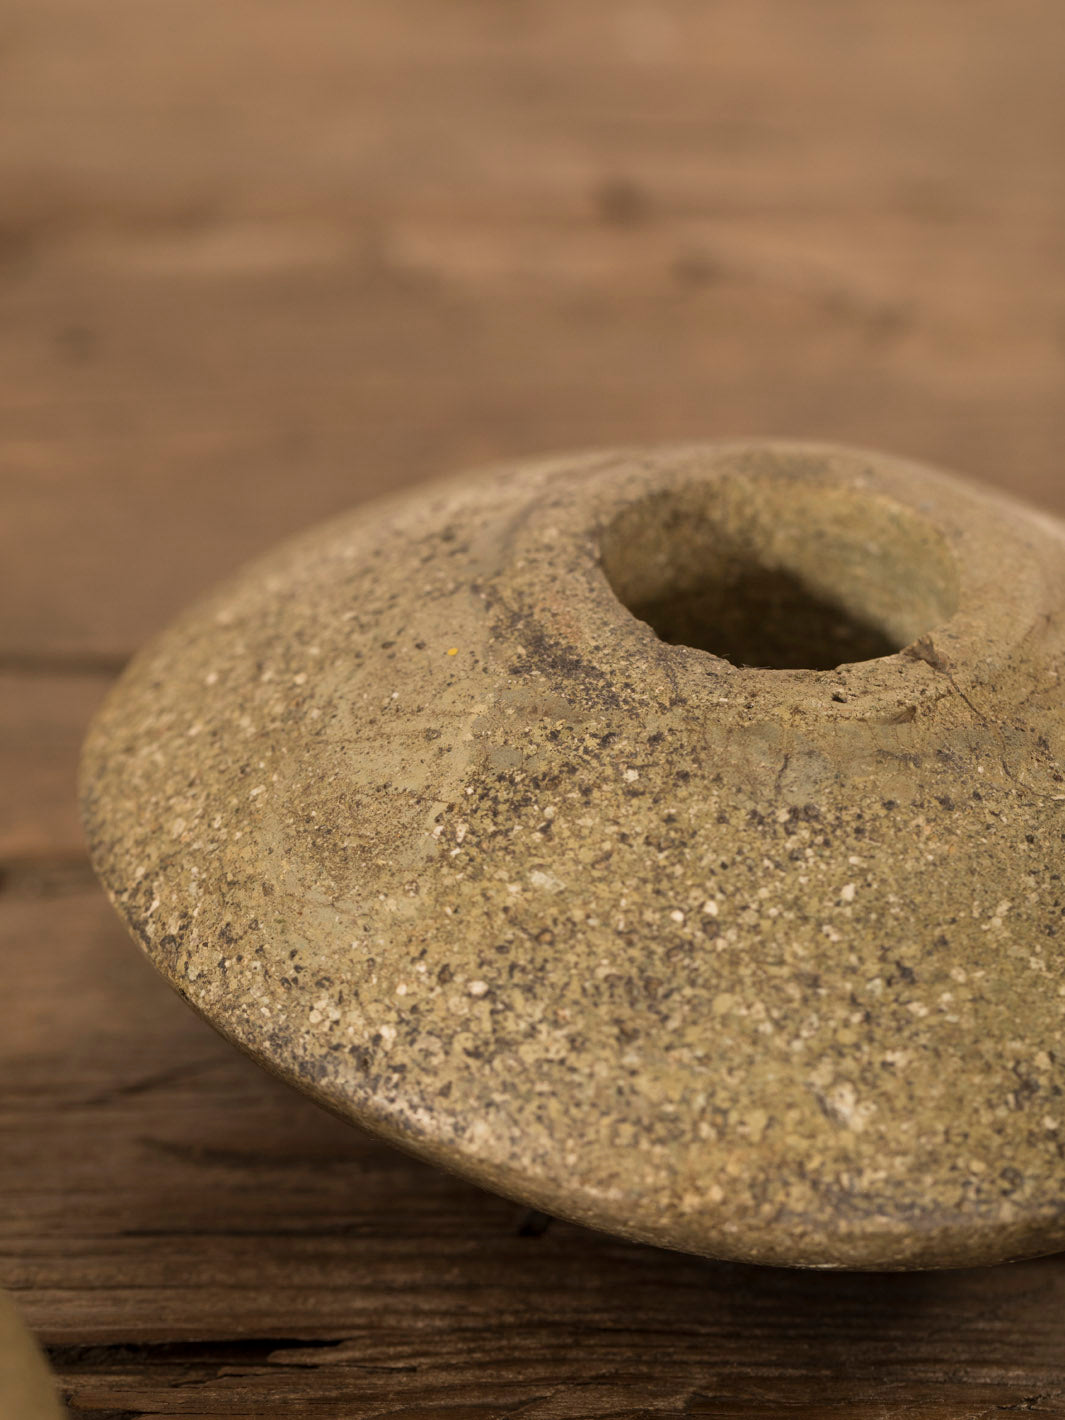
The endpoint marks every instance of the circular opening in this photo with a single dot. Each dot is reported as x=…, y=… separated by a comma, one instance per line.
x=784, y=577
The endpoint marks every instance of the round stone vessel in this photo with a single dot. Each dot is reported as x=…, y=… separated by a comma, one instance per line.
x=671, y=840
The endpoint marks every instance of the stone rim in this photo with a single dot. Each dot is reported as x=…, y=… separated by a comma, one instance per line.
x=983, y=632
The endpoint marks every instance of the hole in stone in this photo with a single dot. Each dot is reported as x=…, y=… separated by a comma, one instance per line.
x=767, y=618
x=780, y=575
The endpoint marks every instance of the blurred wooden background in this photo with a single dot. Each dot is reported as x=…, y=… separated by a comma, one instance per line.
x=260, y=259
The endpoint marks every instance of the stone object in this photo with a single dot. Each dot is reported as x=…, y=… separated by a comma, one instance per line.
x=27, y=1389
x=671, y=840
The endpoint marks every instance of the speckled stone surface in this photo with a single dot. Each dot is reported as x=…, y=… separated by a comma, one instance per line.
x=27, y=1389
x=757, y=957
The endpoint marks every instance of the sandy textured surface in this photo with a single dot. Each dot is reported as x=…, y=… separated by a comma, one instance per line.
x=756, y=962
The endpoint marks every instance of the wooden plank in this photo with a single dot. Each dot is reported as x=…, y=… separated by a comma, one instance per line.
x=211, y=1383
x=193, y=1238
x=284, y=400
x=359, y=103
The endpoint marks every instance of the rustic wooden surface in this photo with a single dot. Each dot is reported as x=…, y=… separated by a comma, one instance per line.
x=260, y=259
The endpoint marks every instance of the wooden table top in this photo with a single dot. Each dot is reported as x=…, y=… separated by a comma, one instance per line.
x=261, y=260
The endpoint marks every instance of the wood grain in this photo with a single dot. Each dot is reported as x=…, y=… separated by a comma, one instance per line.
x=261, y=260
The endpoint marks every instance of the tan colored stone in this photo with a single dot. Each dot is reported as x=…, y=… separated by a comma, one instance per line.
x=27, y=1389
x=756, y=957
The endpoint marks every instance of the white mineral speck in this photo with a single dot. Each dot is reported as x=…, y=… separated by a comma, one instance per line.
x=540, y=879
